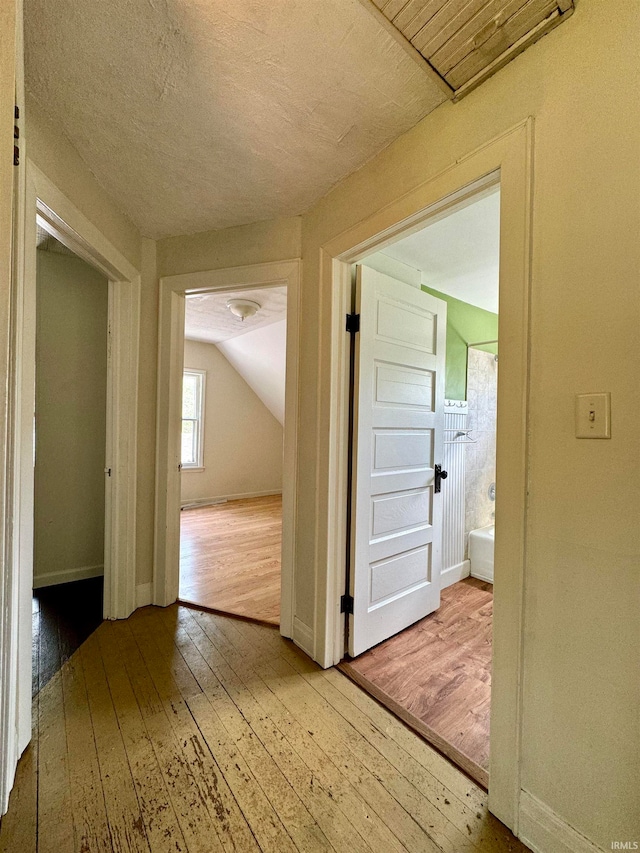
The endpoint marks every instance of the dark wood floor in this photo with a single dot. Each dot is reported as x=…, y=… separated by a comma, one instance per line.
x=436, y=675
x=63, y=617
x=230, y=557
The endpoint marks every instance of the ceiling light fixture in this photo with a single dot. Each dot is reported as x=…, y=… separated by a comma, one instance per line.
x=243, y=308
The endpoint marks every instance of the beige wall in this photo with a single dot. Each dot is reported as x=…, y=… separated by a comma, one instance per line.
x=581, y=680
x=258, y=243
x=261, y=242
x=71, y=389
x=580, y=83
x=10, y=83
x=54, y=155
x=243, y=440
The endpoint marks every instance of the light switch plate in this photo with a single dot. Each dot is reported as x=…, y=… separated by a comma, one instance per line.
x=593, y=415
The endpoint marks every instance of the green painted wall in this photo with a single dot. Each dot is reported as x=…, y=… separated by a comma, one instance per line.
x=465, y=324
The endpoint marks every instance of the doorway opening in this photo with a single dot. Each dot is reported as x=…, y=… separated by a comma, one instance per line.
x=233, y=408
x=46, y=206
x=423, y=480
x=70, y=425
x=174, y=291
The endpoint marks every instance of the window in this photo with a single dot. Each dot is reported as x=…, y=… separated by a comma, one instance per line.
x=193, y=418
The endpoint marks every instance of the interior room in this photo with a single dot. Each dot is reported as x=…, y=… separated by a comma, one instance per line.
x=232, y=443
x=436, y=674
x=69, y=454
x=179, y=143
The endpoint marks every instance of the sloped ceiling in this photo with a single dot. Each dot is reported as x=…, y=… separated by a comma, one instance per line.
x=255, y=347
x=203, y=114
x=260, y=358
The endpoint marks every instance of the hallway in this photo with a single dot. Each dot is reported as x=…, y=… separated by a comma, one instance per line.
x=182, y=730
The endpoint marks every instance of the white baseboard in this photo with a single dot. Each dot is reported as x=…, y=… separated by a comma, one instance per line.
x=454, y=574
x=143, y=594
x=481, y=576
x=197, y=503
x=67, y=576
x=303, y=636
x=544, y=831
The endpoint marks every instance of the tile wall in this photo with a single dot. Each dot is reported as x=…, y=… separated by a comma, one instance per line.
x=480, y=461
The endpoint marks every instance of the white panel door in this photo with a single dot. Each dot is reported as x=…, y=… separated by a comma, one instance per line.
x=397, y=433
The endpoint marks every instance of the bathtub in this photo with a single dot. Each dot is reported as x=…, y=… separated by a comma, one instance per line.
x=481, y=552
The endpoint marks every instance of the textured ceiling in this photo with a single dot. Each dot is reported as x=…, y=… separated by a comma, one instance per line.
x=208, y=319
x=204, y=114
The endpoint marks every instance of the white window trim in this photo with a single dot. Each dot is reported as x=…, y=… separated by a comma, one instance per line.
x=198, y=465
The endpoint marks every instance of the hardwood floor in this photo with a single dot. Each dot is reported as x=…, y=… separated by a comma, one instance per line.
x=230, y=557
x=179, y=730
x=64, y=616
x=436, y=675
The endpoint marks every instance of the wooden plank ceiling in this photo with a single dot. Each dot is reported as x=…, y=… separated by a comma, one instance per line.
x=462, y=42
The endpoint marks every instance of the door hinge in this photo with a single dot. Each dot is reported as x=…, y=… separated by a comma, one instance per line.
x=107, y=471
x=353, y=323
x=346, y=604
x=16, y=135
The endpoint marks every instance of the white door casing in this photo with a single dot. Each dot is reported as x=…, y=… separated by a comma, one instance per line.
x=398, y=439
x=10, y=598
x=507, y=158
x=41, y=199
x=166, y=571
x=66, y=223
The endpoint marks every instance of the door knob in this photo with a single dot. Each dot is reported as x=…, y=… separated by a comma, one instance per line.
x=439, y=476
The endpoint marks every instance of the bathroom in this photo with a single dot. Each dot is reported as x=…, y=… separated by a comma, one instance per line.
x=436, y=674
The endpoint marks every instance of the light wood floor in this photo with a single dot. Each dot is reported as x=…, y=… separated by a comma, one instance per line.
x=179, y=730
x=230, y=557
x=436, y=675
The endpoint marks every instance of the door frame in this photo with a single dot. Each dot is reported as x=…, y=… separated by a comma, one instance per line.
x=41, y=199
x=166, y=569
x=11, y=207
x=508, y=159
x=49, y=206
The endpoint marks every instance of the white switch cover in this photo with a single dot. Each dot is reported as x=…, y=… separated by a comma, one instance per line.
x=593, y=415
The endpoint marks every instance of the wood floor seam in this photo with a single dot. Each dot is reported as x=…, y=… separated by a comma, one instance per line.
x=182, y=731
x=356, y=758
x=257, y=734
x=230, y=733
x=436, y=675
x=283, y=732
